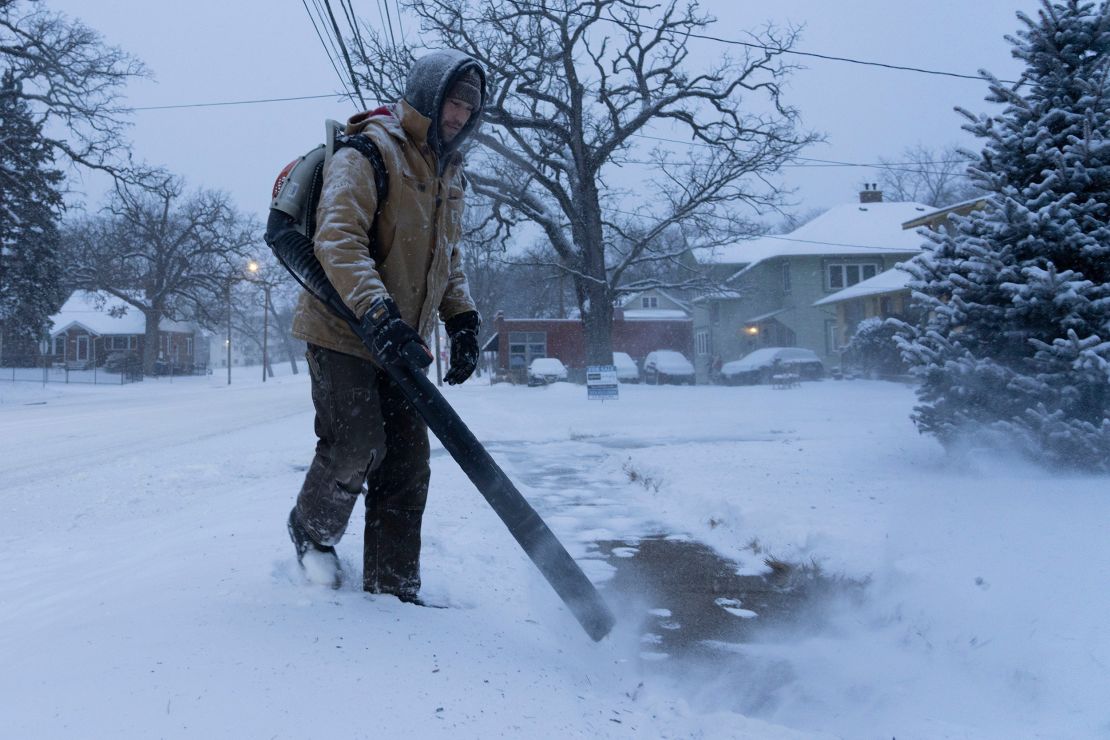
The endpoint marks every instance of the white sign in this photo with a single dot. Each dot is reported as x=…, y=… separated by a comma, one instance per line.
x=601, y=383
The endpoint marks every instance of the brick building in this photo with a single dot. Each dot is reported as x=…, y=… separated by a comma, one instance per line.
x=519, y=341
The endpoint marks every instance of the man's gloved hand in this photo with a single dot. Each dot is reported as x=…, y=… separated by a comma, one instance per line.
x=463, y=332
x=390, y=339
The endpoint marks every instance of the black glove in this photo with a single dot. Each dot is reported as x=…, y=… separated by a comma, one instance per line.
x=390, y=339
x=463, y=331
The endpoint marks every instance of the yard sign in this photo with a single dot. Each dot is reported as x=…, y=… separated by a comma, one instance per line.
x=601, y=382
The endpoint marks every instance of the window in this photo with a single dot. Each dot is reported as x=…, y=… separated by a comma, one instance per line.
x=701, y=342
x=840, y=275
x=189, y=347
x=132, y=342
x=83, y=347
x=525, y=346
x=649, y=301
x=60, y=345
x=785, y=277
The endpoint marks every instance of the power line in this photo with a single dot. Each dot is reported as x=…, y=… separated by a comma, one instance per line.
x=400, y=26
x=817, y=162
x=384, y=5
x=891, y=167
x=764, y=47
x=241, y=102
x=346, y=56
x=320, y=36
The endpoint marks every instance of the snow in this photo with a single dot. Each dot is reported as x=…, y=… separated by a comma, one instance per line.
x=548, y=366
x=626, y=366
x=669, y=361
x=766, y=357
x=655, y=314
x=848, y=229
x=887, y=281
x=149, y=588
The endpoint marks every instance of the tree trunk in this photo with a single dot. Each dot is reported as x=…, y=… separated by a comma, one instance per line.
x=279, y=329
x=595, y=296
x=597, y=321
x=151, y=345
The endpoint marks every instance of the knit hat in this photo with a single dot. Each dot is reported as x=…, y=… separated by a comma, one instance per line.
x=467, y=88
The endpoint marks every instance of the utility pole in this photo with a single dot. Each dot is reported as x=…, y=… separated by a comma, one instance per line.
x=253, y=267
x=229, y=281
x=266, y=332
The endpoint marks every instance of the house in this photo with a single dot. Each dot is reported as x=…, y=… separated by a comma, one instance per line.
x=91, y=326
x=519, y=341
x=242, y=352
x=653, y=303
x=887, y=294
x=770, y=284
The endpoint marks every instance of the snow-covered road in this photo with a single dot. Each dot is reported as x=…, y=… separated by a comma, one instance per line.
x=147, y=587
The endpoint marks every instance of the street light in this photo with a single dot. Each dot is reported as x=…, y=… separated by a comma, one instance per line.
x=253, y=267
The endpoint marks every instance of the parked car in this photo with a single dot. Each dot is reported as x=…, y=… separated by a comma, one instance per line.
x=762, y=365
x=627, y=372
x=668, y=366
x=546, y=370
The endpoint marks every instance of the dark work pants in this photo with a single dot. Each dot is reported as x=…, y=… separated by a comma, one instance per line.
x=368, y=434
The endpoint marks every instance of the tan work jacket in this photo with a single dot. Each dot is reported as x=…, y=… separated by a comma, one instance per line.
x=417, y=259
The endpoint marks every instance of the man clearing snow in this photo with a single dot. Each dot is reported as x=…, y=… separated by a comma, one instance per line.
x=395, y=264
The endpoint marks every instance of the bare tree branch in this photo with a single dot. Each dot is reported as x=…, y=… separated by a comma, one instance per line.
x=573, y=84
x=70, y=78
x=163, y=251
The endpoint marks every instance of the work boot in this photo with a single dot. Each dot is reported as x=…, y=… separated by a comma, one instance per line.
x=320, y=563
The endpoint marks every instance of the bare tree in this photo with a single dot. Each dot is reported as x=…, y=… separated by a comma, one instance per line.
x=67, y=75
x=164, y=252
x=922, y=174
x=262, y=310
x=578, y=88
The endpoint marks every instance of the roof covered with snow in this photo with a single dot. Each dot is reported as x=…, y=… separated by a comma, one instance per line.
x=647, y=314
x=94, y=312
x=853, y=228
x=885, y=282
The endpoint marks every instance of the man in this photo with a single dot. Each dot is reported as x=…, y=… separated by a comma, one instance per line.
x=396, y=264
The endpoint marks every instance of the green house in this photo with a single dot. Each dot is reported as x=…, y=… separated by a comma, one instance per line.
x=768, y=285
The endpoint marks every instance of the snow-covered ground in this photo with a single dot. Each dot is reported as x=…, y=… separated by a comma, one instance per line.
x=148, y=589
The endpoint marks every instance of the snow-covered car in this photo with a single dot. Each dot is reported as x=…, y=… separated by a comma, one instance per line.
x=763, y=364
x=546, y=370
x=668, y=366
x=627, y=372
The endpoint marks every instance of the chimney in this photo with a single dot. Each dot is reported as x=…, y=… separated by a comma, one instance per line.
x=871, y=193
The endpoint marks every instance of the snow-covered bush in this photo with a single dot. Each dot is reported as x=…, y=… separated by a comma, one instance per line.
x=1015, y=343
x=873, y=349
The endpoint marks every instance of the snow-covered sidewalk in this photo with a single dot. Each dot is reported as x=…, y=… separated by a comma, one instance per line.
x=148, y=588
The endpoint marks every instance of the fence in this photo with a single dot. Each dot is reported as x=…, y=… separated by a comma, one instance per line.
x=61, y=373
x=39, y=369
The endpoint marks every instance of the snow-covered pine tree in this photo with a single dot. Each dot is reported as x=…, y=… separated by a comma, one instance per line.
x=30, y=206
x=1015, y=342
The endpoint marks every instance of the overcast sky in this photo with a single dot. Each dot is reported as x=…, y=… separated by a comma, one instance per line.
x=205, y=51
